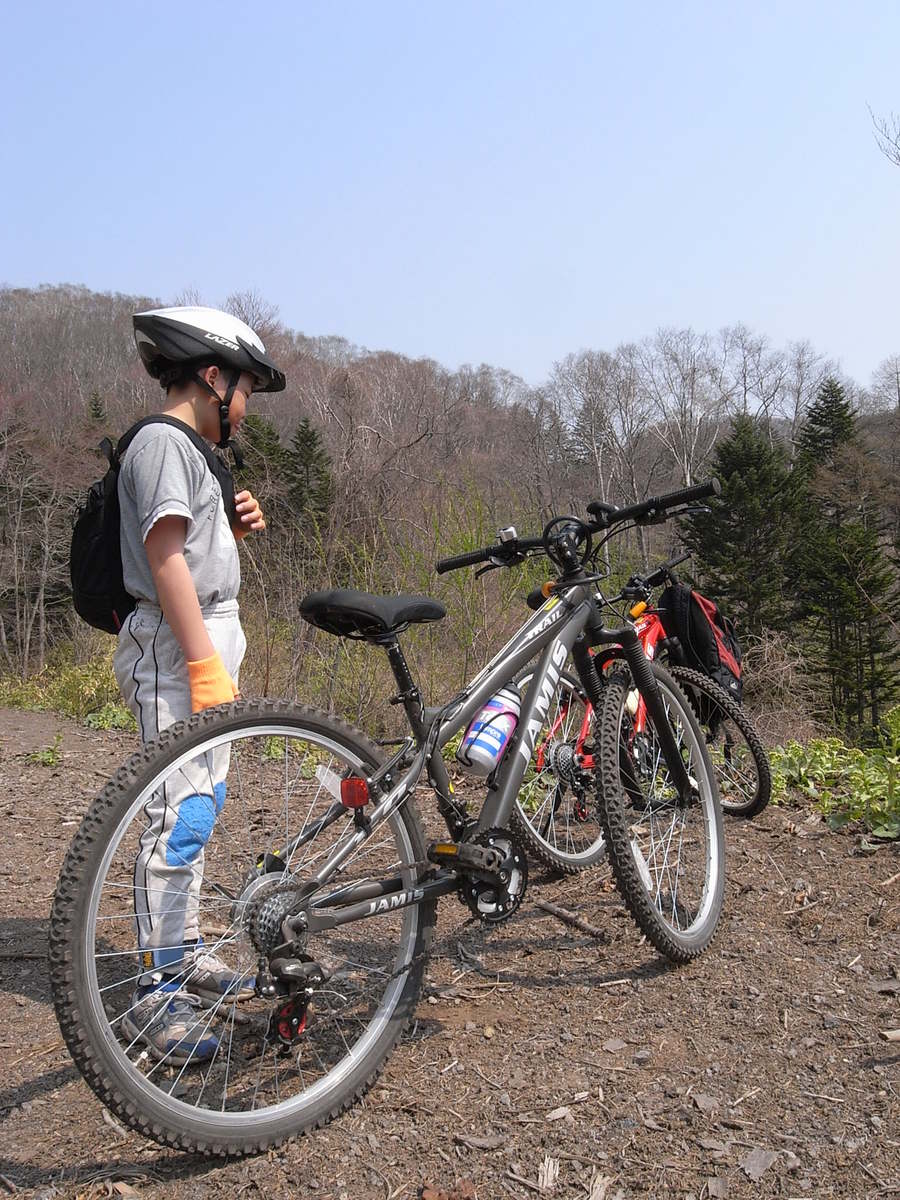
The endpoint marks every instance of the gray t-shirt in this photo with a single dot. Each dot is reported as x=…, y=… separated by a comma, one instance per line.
x=163, y=474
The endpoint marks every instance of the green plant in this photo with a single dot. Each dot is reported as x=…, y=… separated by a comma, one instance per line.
x=50, y=755
x=75, y=689
x=273, y=748
x=111, y=716
x=845, y=782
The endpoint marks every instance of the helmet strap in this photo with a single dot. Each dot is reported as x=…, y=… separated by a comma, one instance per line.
x=224, y=441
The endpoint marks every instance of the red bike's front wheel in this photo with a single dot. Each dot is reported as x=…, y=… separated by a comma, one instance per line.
x=556, y=811
x=738, y=755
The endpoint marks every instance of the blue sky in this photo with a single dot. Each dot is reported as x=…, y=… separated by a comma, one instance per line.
x=473, y=182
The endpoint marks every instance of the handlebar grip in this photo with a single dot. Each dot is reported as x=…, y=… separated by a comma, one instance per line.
x=700, y=491
x=658, y=504
x=460, y=560
x=658, y=576
x=679, y=558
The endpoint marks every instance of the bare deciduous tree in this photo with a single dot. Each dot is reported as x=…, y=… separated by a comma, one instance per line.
x=887, y=135
x=678, y=374
x=258, y=313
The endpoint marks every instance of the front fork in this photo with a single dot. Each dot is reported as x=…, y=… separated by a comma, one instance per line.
x=645, y=682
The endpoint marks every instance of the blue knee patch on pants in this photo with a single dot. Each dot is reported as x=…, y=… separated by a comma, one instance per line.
x=196, y=817
x=219, y=796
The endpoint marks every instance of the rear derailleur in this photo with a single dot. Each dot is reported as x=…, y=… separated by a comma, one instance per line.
x=287, y=1020
x=285, y=972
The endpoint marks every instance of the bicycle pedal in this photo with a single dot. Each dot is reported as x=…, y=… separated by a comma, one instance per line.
x=443, y=853
x=461, y=855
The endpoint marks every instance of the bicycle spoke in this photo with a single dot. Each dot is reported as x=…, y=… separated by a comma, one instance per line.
x=225, y=1057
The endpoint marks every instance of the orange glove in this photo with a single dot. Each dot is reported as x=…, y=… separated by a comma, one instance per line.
x=210, y=683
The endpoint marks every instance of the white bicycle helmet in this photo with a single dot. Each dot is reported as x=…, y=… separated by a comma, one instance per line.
x=176, y=342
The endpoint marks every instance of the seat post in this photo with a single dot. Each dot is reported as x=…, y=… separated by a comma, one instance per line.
x=411, y=698
x=408, y=695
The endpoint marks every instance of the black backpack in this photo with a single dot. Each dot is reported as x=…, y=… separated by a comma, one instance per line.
x=707, y=637
x=95, y=563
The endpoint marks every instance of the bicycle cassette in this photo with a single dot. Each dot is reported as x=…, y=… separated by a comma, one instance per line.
x=495, y=898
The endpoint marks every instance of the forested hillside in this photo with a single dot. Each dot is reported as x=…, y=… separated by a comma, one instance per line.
x=372, y=465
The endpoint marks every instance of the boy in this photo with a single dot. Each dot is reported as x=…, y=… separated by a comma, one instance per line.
x=181, y=648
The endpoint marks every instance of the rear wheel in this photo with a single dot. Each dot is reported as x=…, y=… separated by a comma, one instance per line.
x=738, y=756
x=668, y=857
x=281, y=822
x=556, y=812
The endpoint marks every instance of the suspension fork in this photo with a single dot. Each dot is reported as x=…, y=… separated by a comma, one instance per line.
x=645, y=681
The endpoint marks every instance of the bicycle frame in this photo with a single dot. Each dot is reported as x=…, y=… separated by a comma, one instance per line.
x=565, y=625
x=552, y=633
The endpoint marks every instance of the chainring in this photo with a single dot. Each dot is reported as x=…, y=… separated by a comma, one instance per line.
x=496, y=899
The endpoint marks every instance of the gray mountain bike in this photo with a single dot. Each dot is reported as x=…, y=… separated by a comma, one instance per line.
x=317, y=884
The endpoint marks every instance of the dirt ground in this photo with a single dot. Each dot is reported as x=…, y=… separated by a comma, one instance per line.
x=760, y=1070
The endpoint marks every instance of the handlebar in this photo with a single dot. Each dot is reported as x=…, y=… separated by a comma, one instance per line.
x=501, y=553
x=659, y=575
x=460, y=560
x=605, y=515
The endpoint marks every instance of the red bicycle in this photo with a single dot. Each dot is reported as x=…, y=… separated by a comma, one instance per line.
x=556, y=811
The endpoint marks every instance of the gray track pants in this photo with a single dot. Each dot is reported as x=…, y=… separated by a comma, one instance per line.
x=168, y=872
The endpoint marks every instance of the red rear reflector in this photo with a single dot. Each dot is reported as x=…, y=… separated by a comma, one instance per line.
x=354, y=793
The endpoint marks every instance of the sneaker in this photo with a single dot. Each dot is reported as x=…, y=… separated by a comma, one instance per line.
x=204, y=975
x=166, y=1020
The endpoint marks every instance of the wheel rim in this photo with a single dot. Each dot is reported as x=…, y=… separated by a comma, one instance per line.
x=734, y=764
x=675, y=847
x=733, y=759
x=246, y=1082
x=556, y=800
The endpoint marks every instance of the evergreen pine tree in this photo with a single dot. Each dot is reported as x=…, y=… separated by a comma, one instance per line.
x=844, y=578
x=264, y=464
x=264, y=455
x=849, y=588
x=96, y=408
x=310, y=485
x=742, y=547
x=830, y=425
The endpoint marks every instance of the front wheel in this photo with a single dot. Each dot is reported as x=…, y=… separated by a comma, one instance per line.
x=667, y=856
x=555, y=812
x=737, y=753
x=191, y=1052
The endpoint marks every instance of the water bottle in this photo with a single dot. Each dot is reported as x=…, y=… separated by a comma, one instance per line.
x=487, y=737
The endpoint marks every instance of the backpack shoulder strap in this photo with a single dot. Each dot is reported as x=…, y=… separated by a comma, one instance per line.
x=161, y=419
x=217, y=465
x=128, y=437
x=108, y=450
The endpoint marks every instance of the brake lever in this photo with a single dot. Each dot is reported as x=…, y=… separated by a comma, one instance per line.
x=503, y=558
x=660, y=516
x=492, y=566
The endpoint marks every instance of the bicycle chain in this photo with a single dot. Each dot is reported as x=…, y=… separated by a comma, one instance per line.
x=297, y=883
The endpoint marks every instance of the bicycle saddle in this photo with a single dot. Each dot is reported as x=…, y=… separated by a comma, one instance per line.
x=348, y=613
